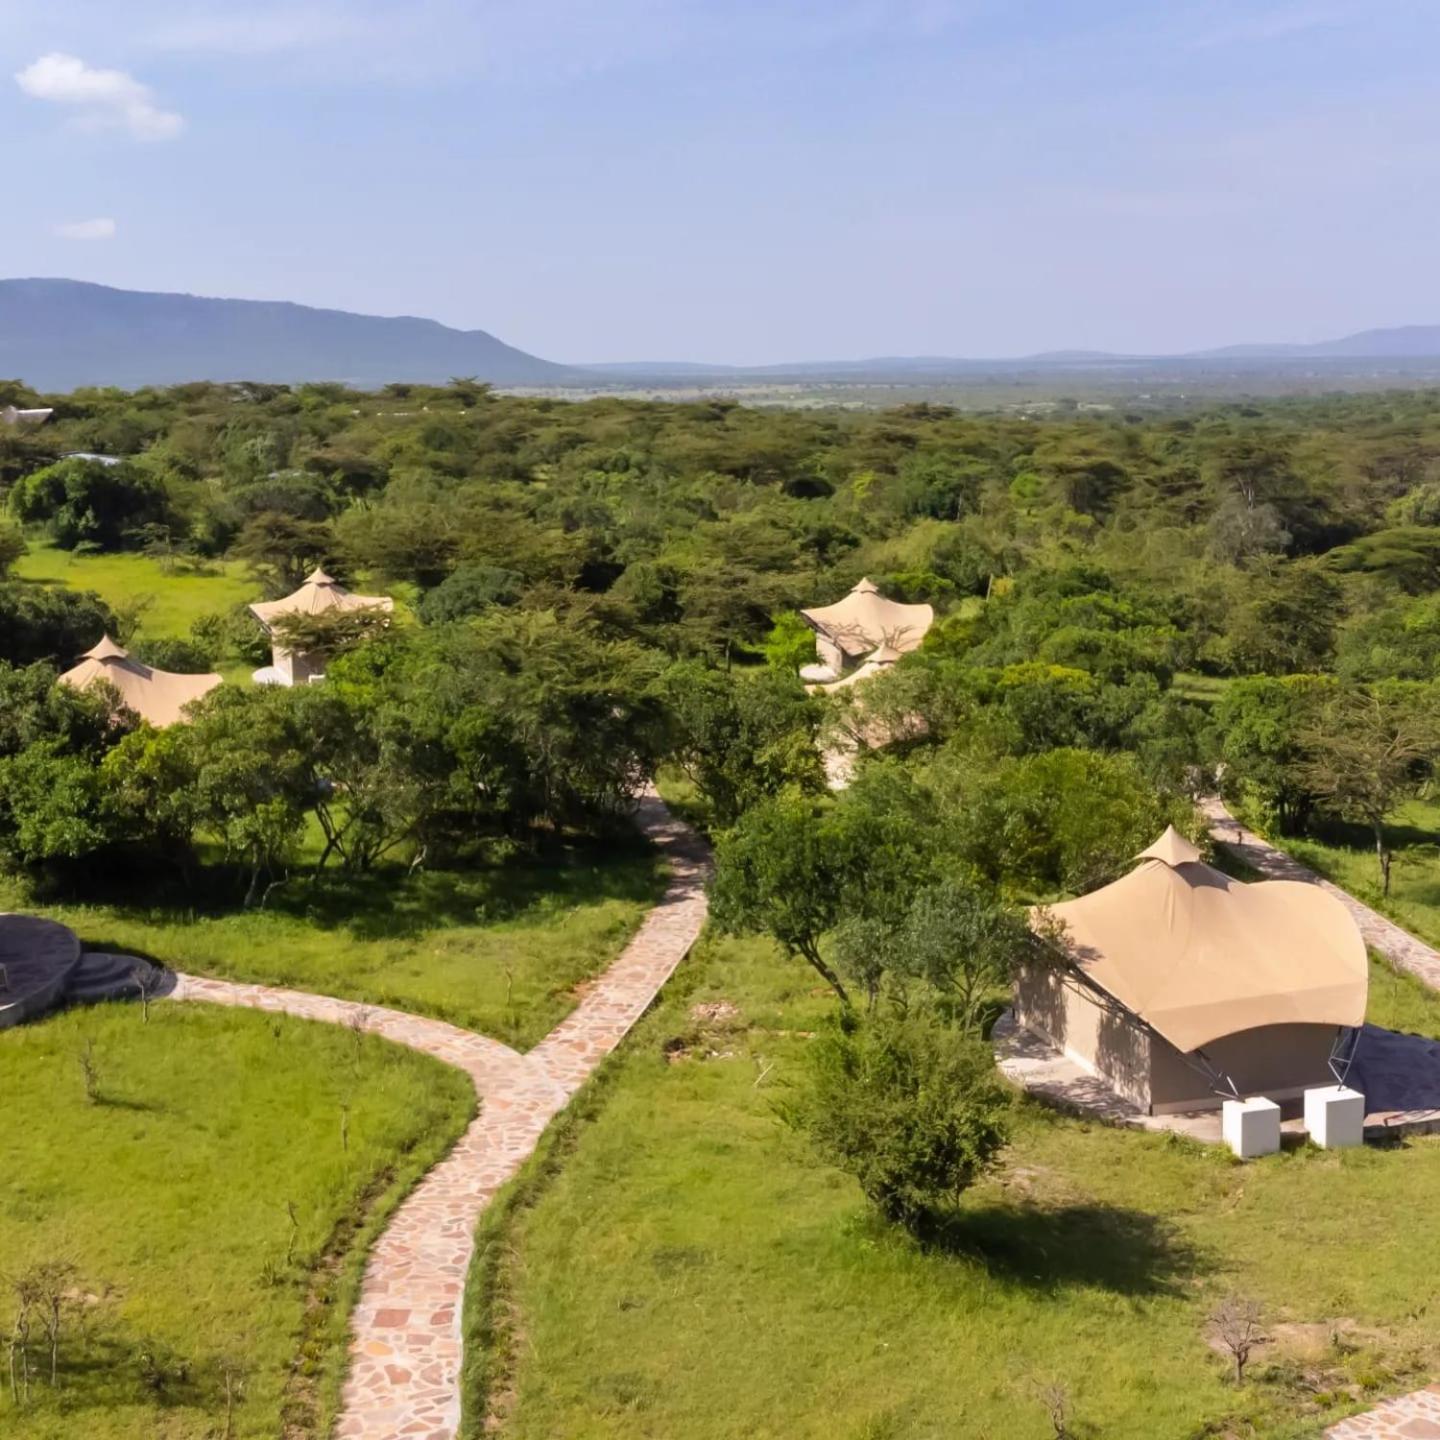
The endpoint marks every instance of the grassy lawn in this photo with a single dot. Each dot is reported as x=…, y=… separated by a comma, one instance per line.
x=173, y=1192
x=499, y=950
x=674, y=1262
x=172, y=600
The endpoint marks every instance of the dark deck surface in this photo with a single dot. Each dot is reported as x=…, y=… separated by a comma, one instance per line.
x=37, y=957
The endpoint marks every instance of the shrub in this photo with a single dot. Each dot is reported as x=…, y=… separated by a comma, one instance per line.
x=181, y=656
x=908, y=1106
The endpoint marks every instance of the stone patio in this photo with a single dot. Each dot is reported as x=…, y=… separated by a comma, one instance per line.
x=405, y=1347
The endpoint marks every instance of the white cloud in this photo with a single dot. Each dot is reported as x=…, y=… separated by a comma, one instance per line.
x=100, y=99
x=101, y=228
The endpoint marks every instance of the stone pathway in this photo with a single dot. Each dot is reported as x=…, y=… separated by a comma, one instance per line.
x=405, y=1345
x=1398, y=945
x=1411, y=1417
x=1416, y=1416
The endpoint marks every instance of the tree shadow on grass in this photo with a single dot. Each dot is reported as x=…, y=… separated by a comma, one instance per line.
x=392, y=902
x=1051, y=1248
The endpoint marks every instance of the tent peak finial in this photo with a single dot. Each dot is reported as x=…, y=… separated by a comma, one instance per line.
x=106, y=649
x=1171, y=849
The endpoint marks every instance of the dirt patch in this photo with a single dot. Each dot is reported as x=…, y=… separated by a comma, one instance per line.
x=716, y=1014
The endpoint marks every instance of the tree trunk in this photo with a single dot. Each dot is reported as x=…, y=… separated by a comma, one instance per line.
x=254, y=890
x=812, y=954
x=1383, y=857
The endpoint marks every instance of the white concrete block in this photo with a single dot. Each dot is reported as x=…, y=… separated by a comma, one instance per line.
x=1251, y=1127
x=1335, y=1116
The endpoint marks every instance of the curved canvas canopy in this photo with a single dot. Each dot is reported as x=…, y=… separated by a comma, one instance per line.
x=865, y=620
x=319, y=593
x=9, y=415
x=1198, y=956
x=158, y=696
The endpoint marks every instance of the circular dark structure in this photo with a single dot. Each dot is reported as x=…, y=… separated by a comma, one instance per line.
x=37, y=958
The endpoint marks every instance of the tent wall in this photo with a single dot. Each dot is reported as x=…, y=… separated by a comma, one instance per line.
x=1278, y=1061
x=831, y=655
x=1100, y=1039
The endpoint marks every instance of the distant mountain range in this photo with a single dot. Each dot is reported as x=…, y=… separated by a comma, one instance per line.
x=60, y=334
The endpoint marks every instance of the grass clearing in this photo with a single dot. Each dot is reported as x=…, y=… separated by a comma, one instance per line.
x=171, y=599
x=681, y=1265
x=498, y=949
x=172, y=1197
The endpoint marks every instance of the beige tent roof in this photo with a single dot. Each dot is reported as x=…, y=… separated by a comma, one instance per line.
x=155, y=695
x=319, y=593
x=1198, y=955
x=865, y=620
x=11, y=416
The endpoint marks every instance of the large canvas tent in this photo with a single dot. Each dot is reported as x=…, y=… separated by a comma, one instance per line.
x=159, y=696
x=1177, y=984
x=10, y=415
x=865, y=629
x=320, y=594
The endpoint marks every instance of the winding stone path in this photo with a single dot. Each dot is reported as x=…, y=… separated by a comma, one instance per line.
x=405, y=1346
x=1415, y=1416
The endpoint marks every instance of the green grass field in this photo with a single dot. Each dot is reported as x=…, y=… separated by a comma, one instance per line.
x=173, y=1193
x=500, y=949
x=171, y=600
x=674, y=1262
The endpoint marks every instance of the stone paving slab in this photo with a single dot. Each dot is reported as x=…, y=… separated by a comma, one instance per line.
x=405, y=1346
x=1411, y=1417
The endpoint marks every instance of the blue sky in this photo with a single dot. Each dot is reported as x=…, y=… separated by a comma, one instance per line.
x=747, y=181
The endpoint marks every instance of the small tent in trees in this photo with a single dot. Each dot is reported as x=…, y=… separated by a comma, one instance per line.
x=320, y=595
x=863, y=634
x=1180, y=987
x=159, y=696
x=10, y=415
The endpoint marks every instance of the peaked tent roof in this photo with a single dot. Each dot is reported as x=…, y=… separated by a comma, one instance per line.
x=1198, y=955
x=12, y=416
x=319, y=593
x=865, y=620
x=158, y=696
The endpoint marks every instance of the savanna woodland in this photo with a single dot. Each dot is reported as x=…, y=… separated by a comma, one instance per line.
x=799, y=1202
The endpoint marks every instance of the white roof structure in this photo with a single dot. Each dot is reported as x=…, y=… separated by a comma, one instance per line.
x=865, y=620
x=1198, y=956
x=9, y=415
x=319, y=593
x=159, y=696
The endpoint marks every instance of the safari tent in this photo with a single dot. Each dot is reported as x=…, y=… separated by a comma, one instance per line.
x=10, y=415
x=158, y=696
x=320, y=594
x=863, y=629
x=1179, y=986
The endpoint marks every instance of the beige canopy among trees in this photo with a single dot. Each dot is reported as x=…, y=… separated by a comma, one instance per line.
x=864, y=627
x=1178, y=985
x=159, y=696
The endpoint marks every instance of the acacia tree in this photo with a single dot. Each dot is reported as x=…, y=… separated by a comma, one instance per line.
x=782, y=872
x=1371, y=751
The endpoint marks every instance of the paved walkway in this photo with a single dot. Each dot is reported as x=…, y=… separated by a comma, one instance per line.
x=1411, y=1417
x=1400, y=946
x=1416, y=1416
x=405, y=1331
